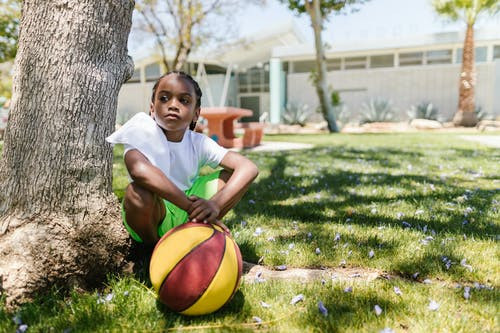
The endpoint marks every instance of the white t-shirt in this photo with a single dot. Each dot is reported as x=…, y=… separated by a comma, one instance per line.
x=179, y=161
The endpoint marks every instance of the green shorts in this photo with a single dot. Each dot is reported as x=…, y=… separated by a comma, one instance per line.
x=204, y=187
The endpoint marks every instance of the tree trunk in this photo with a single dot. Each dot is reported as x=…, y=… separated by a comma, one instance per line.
x=466, y=115
x=313, y=8
x=59, y=220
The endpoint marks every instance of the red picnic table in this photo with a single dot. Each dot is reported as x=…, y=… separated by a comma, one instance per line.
x=221, y=127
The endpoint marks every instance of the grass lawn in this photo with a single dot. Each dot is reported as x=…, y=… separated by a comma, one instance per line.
x=422, y=207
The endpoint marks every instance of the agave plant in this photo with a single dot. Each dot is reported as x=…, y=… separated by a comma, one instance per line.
x=424, y=110
x=377, y=110
x=342, y=113
x=482, y=115
x=296, y=114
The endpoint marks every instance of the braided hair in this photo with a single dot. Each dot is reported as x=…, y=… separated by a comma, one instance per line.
x=196, y=87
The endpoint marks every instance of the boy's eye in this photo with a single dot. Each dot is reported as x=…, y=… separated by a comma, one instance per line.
x=184, y=100
x=164, y=98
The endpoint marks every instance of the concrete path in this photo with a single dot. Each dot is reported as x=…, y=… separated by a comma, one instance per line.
x=278, y=146
x=488, y=140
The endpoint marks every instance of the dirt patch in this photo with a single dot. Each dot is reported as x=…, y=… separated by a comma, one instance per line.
x=255, y=273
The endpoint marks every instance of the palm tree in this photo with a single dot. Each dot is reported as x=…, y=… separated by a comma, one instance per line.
x=466, y=11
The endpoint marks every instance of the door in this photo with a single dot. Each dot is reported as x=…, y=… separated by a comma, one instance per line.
x=251, y=102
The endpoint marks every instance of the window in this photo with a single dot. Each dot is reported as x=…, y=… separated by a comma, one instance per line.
x=379, y=61
x=136, y=77
x=496, y=52
x=153, y=72
x=333, y=64
x=254, y=80
x=480, y=54
x=411, y=58
x=355, y=62
x=303, y=66
x=214, y=69
x=438, y=57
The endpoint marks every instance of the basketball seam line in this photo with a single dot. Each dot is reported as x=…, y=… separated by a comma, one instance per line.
x=217, y=270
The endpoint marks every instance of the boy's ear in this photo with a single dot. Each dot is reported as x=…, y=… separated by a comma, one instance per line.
x=151, y=109
x=196, y=114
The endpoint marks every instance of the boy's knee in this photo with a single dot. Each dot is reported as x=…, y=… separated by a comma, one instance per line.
x=139, y=197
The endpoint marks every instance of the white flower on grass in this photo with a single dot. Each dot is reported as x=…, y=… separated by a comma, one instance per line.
x=258, y=277
x=126, y=293
x=386, y=330
x=309, y=235
x=409, y=167
x=463, y=263
x=466, y=292
x=377, y=309
x=322, y=309
x=374, y=211
x=427, y=281
x=264, y=305
x=271, y=239
x=281, y=268
x=415, y=275
x=297, y=299
x=406, y=224
x=243, y=223
x=337, y=237
x=17, y=319
x=257, y=319
x=371, y=254
x=433, y=305
x=397, y=291
x=419, y=212
x=291, y=246
x=399, y=215
x=22, y=328
x=318, y=251
x=251, y=201
x=258, y=231
x=348, y=289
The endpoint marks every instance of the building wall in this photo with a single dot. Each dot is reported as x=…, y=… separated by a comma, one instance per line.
x=404, y=86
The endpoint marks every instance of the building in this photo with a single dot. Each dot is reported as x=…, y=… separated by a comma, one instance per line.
x=273, y=69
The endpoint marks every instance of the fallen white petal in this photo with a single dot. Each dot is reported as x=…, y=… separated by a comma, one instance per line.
x=297, y=299
x=264, y=305
x=433, y=305
x=397, y=291
x=378, y=310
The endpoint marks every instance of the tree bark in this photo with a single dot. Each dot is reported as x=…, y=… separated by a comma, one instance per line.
x=466, y=115
x=313, y=8
x=59, y=220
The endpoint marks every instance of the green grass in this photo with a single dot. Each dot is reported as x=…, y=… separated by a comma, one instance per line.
x=384, y=193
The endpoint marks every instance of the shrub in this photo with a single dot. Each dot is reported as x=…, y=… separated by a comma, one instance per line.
x=296, y=114
x=481, y=114
x=377, y=110
x=424, y=110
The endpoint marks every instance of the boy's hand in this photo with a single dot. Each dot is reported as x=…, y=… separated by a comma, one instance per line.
x=202, y=210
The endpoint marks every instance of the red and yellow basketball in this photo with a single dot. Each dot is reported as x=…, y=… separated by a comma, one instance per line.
x=195, y=268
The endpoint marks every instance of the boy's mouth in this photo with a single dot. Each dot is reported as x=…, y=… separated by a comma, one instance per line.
x=172, y=116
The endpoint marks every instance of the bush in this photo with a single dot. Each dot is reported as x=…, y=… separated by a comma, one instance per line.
x=482, y=115
x=296, y=114
x=424, y=110
x=377, y=111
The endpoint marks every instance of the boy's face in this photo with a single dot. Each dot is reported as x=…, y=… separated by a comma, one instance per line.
x=174, y=106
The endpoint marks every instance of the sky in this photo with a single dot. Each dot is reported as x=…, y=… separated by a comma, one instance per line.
x=375, y=20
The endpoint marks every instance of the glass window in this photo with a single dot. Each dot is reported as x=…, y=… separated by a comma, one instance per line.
x=480, y=54
x=333, y=64
x=214, y=69
x=378, y=61
x=153, y=71
x=496, y=52
x=411, y=58
x=136, y=77
x=243, y=82
x=355, y=62
x=303, y=66
x=438, y=57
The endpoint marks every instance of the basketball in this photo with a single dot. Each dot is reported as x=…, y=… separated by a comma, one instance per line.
x=195, y=268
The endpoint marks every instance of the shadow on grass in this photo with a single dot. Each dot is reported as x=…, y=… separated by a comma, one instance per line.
x=337, y=198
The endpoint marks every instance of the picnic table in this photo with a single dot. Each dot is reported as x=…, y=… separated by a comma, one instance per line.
x=221, y=127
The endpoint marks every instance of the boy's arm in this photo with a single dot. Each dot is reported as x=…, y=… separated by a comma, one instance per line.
x=153, y=179
x=244, y=172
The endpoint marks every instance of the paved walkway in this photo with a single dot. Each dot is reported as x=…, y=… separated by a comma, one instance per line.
x=488, y=140
x=278, y=146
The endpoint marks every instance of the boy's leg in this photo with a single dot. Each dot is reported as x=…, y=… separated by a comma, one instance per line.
x=144, y=211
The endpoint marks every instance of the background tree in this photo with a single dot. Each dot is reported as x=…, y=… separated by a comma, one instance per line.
x=467, y=11
x=319, y=11
x=183, y=25
x=9, y=32
x=59, y=220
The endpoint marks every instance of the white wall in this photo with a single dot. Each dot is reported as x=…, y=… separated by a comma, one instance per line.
x=405, y=86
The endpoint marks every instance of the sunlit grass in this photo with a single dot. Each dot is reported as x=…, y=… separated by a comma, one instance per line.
x=397, y=203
